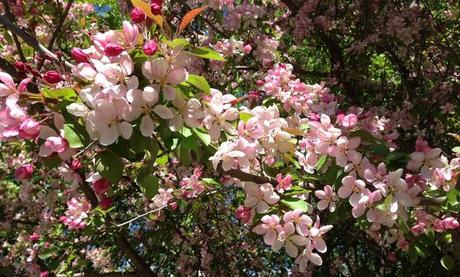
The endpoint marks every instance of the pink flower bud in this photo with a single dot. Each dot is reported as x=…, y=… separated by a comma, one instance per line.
x=24, y=172
x=20, y=66
x=450, y=223
x=57, y=144
x=137, y=15
x=52, y=77
x=418, y=229
x=155, y=6
x=44, y=274
x=247, y=49
x=101, y=186
x=173, y=206
x=150, y=48
x=243, y=213
x=105, y=203
x=113, y=49
x=29, y=129
x=34, y=237
x=260, y=83
x=349, y=121
x=78, y=55
x=75, y=165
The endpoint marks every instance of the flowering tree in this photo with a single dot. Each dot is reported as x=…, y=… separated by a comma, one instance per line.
x=221, y=137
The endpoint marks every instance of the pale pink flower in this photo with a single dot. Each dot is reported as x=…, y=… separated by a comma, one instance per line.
x=327, y=198
x=308, y=256
x=143, y=103
x=260, y=197
x=316, y=233
x=219, y=114
x=355, y=188
x=269, y=228
x=302, y=221
x=288, y=238
x=77, y=212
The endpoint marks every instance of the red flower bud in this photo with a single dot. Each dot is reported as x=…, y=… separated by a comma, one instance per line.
x=75, y=165
x=150, y=48
x=24, y=172
x=137, y=15
x=34, y=237
x=78, y=55
x=52, y=77
x=20, y=66
x=113, y=49
x=101, y=186
x=155, y=6
x=105, y=203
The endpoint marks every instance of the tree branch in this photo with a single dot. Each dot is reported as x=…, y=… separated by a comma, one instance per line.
x=15, y=37
x=30, y=40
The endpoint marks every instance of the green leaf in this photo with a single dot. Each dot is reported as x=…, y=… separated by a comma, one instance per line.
x=109, y=166
x=321, y=162
x=207, y=53
x=46, y=253
x=381, y=149
x=199, y=82
x=452, y=197
x=448, y=262
x=52, y=162
x=295, y=203
x=178, y=42
x=205, y=138
x=60, y=94
x=148, y=183
x=76, y=135
x=244, y=116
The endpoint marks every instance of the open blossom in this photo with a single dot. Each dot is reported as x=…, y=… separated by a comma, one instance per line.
x=302, y=221
x=219, y=114
x=353, y=188
x=109, y=121
x=290, y=240
x=143, y=103
x=308, y=256
x=230, y=156
x=77, y=212
x=164, y=74
x=260, y=197
x=283, y=183
x=8, y=87
x=269, y=228
x=192, y=186
x=327, y=198
x=162, y=198
x=54, y=141
x=189, y=113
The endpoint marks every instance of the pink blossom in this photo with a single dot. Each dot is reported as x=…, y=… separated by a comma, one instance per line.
x=283, y=183
x=316, y=234
x=327, y=198
x=288, y=238
x=137, y=15
x=243, y=213
x=34, y=237
x=355, y=188
x=269, y=228
x=302, y=222
x=77, y=212
x=260, y=197
x=150, y=47
x=163, y=197
x=113, y=49
x=79, y=56
x=24, y=172
x=52, y=77
x=29, y=129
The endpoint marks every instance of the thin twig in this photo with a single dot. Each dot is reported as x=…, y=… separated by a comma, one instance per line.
x=15, y=37
x=85, y=149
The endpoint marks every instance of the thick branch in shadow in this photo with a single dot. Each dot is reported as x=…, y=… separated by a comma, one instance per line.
x=30, y=40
